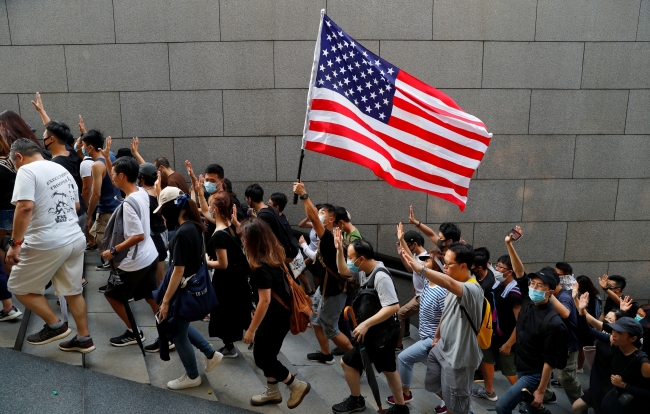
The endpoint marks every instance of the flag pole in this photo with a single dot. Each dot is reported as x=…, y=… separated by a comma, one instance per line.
x=314, y=69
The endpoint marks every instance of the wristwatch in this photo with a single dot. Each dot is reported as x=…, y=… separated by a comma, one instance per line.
x=304, y=196
x=13, y=242
x=113, y=251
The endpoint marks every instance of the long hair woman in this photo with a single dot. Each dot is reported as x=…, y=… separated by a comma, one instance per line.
x=595, y=308
x=13, y=127
x=185, y=250
x=232, y=316
x=270, y=323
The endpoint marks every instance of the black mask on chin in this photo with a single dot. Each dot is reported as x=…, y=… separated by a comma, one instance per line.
x=170, y=213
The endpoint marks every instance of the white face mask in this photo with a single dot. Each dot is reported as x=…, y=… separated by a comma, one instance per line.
x=498, y=276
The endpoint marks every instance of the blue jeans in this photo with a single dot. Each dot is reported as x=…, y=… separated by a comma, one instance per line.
x=418, y=352
x=184, y=339
x=508, y=401
x=7, y=219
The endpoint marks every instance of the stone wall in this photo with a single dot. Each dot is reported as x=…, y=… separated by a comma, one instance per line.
x=563, y=85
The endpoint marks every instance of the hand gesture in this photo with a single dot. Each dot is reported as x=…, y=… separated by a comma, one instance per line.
x=574, y=291
x=414, y=264
x=106, y=151
x=338, y=238
x=299, y=188
x=198, y=184
x=82, y=126
x=302, y=240
x=626, y=304
x=233, y=217
x=412, y=216
x=583, y=303
x=135, y=144
x=509, y=237
x=190, y=171
x=38, y=105
x=400, y=231
x=602, y=281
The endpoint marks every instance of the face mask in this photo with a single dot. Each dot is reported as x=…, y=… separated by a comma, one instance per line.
x=322, y=219
x=210, y=188
x=439, y=244
x=84, y=152
x=536, y=295
x=498, y=276
x=638, y=318
x=353, y=268
x=46, y=145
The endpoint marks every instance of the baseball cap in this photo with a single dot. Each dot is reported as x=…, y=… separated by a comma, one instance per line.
x=148, y=170
x=548, y=276
x=629, y=325
x=124, y=152
x=413, y=236
x=166, y=195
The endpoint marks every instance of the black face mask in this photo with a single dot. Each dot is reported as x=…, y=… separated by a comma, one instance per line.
x=46, y=145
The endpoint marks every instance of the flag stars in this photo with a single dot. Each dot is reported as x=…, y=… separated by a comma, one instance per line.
x=385, y=101
x=321, y=81
x=373, y=95
x=340, y=84
x=340, y=46
x=351, y=91
x=322, y=68
x=370, y=71
x=359, y=88
x=376, y=81
x=329, y=63
x=345, y=43
x=377, y=105
x=377, y=62
x=334, y=86
x=354, y=77
x=382, y=116
x=328, y=23
x=364, y=99
x=364, y=53
x=388, y=87
x=367, y=109
x=363, y=75
x=328, y=78
x=325, y=52
x=346, y=81
x=334, y=73
x=338, y=59
x=352, y=44
x=390, y=71
x=342, y=70
x=357, y=64
x=350, y=68
x=381, y=91
x=333, y=49
x=368, y=85
x=356, y=102
x=351, y=53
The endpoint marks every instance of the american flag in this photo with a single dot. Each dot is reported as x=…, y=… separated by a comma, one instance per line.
x=366, y=110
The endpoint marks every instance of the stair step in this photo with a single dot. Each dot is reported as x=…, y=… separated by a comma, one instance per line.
x=9, y=329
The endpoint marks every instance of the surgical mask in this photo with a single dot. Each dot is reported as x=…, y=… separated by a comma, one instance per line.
x=439, y=244
x=638, y=318
x=322, y=219
x=84, y=152
x=498, y=276
x=536, y=295
x=353, y=268
x=210, y=188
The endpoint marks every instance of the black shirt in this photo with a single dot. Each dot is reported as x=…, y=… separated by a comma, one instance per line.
x=535, y=346
x=7, y=181
x=487, y=283
x=71, y=162
x=156, y=219
x=186, y=248
x=506, y=321
x=271, y=217
x=267, y=277
x=328, y=252
x=611, y=305
x=629, y=368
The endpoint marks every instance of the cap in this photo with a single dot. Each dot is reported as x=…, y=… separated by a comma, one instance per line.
x=547, y=275
x=413, y=236
x=148, y=170
x=629, y=325
x=124, y=152
x=166, y=195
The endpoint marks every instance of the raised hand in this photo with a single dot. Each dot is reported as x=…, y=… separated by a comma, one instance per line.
x=400, y=231
x=583, y=303
x=158, y=185
x=626, y=304
x=338, y=238
x=135, y=144
x=82, y=126
x=412, y=216
x=302, y=240
x=106, y=151
x=233, y=217
x=509, y=237
x=190, y=171
x=415, y=264
x=39, y=103
x=602, y=281
x=299, y=188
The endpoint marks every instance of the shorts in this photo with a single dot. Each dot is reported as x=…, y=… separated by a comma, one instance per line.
x=137, y=285
x=161, y=246
x=99, y=227
x=63, y=266
x=382, y=358
x=7, y=219
x=506, y=362
x=455, y=384
x=325, y=313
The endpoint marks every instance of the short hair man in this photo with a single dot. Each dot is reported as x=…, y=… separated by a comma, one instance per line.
x=455, y=353
x=565, y=271
x=614, y=286
x=448, y=233
x=362, y=264
x=343, y=221
x=480, y=269
x=46, y=199
x=174, y=178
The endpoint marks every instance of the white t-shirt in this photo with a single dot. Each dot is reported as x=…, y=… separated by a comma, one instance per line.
x=418, y=280
x=54, y=193
x=133, y=226
x=86, y=167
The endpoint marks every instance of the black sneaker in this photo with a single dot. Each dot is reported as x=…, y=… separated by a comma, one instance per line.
x=127, y=338
x=47, y=335
x=90, y=247
x=102, y=267
x=399, y=349
x=478, y=376
x=551, y=400
x=398, y=409
x=321, y=357
x=75, y=345
x=337, y=352
x=350, y=405
x=102, y=289
x=155, y=346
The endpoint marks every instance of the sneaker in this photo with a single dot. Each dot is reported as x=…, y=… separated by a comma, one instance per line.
x=580, y=371
x=77, y=346
x=399, y=349
x=184, y=382
x=229, y=353
x=12, y=313
x=478, y=376
x=441, y=409
x=299, y=389
x=337, y=352
x=522, y=408
x=556, y=383
x=155, y=346
x=102, y=267
x=321, y=357
x=102, y=289
x=270, y=396
x=400, y=409
x=90, y=247
x=206, y=318
x=551, y=400
x=407, y=399
x=126, y=339
x=210, y=363
x=47, y=335
x=84, y=283
x=482, y=393
x=350, y=405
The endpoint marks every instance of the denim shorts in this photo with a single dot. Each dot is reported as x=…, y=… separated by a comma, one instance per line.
x=6, y=219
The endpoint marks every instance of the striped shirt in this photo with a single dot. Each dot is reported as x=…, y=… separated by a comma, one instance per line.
x=432, y=304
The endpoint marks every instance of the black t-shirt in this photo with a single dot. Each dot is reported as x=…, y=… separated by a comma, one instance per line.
x=506, y=321
x=71, y=162
x=156, y=219
x=186, y=248
x=267, y=277
x=629, y=368
x=270, y=216
x=237, y=263
x=611, y=305
x=328, y=251
x=289, y=231
x=487, y=283
x=7, y=181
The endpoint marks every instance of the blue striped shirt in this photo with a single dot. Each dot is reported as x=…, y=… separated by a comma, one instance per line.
x=432, y=304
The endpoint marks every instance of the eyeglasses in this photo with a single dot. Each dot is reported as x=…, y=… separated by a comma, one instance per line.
x=612, y=287
x=501, y=267
x=538, y=286
x=448, y=264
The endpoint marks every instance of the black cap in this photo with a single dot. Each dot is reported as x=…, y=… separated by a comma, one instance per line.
x=148, y=170
x=629, y=325
x=227, y=185
x=124, y=152
x=548, y=276
x=413, y=236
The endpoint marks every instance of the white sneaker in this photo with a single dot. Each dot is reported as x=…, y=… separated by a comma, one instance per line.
x=580, y=371
x=213, y=362
x=184, y=382
x=13, y=313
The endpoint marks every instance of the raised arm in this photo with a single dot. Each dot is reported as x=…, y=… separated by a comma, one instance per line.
x=402, y=246
x=106, y=152
x=305, y=223
x=41, y=109
x=341, y=263
x=428, y=231
x=517, y=265
x=438, y=278
x=310, y=209
x=135, y=144
x=197, y=186
x=602, y=281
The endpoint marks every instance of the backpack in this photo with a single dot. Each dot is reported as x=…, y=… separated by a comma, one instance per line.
x=114, y=233
x=484, y=335
x=366, y=304
x=300, y=305
x=291, y=247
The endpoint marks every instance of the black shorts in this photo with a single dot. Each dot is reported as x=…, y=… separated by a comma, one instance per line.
x=160, y=246
x=382, y=358
x=137, y=285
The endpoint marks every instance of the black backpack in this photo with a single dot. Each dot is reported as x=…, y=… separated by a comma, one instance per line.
x=366, y=304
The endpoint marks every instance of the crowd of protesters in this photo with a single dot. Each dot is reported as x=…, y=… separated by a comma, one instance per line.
x=539, y=328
